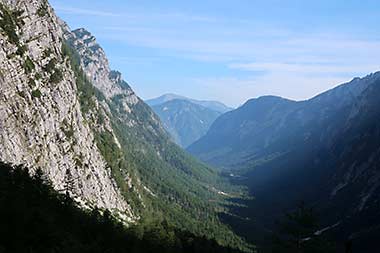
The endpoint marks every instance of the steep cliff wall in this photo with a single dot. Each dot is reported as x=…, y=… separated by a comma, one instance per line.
x=41, y=123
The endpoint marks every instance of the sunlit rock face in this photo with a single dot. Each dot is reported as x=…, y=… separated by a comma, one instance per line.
x=41, y=123
x=96, y=65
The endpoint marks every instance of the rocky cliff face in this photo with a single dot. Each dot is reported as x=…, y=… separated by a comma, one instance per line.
x=41, y=123
x=110, y=83
x=63, y=110
x=95, y=64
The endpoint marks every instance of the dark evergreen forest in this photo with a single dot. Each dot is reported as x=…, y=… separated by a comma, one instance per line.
x=36, y=218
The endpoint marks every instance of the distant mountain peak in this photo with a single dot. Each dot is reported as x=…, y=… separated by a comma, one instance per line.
x=268, y=98
x=210, y=104
x=184, y=120
x=65, y=111
x=172, y=95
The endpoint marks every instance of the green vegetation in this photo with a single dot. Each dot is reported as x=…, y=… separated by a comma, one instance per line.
x=35, y=218
x=87, y=92
x=42, y=10
x=31, y=83
x=56, y=76
x=21, y=50
x=78, y=162
x=36, y=93
x=67, y=129
x=28, y=65
x=21, y=94
x=38, y=76
x=9, y=22
x=181, y=187
x=50, y=67
x=181, y=183
x=47, y=53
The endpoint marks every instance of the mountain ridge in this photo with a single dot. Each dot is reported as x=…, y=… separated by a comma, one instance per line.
x=330, y=98
x=66, y=112
x=213, y=105
x=322, y=151
x=40, y=111
x=185, y=121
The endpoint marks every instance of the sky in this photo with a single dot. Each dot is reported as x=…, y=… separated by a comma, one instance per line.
x=232, y=51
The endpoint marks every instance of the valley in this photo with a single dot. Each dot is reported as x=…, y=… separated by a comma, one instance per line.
x=89, y=164
x=186, y=119
x=321, y=151
x=65, y=111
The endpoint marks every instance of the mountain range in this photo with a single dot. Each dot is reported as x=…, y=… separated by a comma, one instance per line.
x=88, y=166
x=212, y=105
x=65, y=111
x=186, y=119
x=323, y=151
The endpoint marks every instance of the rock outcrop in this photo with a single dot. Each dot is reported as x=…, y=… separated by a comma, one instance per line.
x=41, y=123
x=64, y=110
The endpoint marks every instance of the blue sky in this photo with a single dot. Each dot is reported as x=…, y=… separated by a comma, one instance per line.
x=232, y=50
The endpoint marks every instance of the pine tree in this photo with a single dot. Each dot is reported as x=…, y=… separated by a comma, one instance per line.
x=69, y=187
